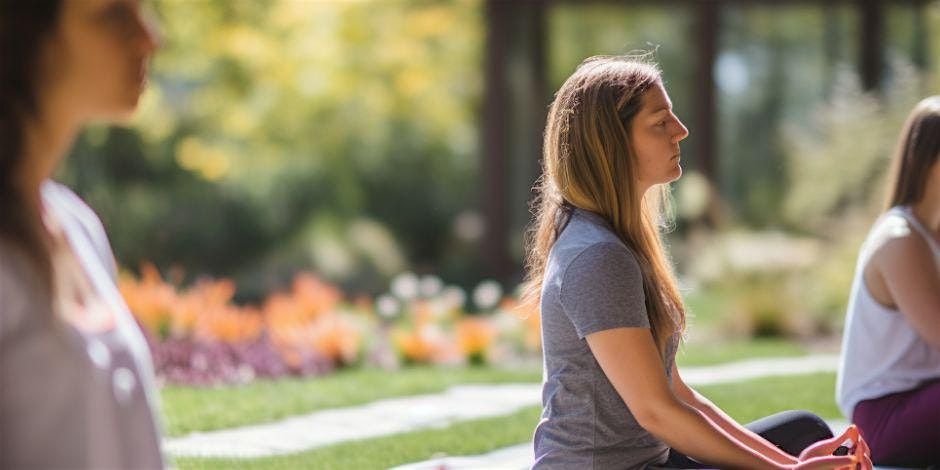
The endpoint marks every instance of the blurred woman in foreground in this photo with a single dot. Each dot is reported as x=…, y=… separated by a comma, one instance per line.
x=76, y=380
x=889, y=375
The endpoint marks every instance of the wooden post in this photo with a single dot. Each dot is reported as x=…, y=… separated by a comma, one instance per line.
x=707, y=18
x=495, y=138
x=514, y=116
x=871, y=43
x=921, y=52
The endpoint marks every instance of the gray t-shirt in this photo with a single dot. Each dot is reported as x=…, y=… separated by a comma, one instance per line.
x=592, y=283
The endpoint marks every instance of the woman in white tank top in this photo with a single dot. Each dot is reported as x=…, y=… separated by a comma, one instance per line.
x=889, y=374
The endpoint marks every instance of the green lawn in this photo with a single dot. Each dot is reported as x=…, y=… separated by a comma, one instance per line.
x=748, y=401
x=465, y=438
x=745, y=401
x=709, y=354
x=188, y=409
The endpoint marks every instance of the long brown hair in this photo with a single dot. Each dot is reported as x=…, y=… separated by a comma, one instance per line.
x=917, y=151
x=589, y=163
x=24, y=28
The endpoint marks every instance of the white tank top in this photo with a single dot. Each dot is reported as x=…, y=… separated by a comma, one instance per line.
x=881, y=352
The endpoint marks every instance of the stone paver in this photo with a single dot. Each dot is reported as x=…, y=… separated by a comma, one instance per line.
x=465, y=402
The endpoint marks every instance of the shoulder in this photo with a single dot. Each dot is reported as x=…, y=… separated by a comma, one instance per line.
x=79, y=217
x=604, y=267
x=64, y=199
x=609, y=257
x=586, y=243
x=896, y=239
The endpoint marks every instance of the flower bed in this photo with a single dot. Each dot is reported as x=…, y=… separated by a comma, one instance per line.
x=198, y=336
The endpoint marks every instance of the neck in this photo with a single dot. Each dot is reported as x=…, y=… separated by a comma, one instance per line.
x=641, y=190
x=45, y=143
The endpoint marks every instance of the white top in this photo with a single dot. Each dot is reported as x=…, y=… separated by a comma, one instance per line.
x=881, y=352
x=73, y=394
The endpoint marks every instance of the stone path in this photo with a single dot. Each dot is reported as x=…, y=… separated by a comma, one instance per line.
x=393, y=416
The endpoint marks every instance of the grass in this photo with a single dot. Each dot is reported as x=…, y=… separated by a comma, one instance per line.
x=189, y=409
x=707, y=307
x=465, y=438
x=744, y=401
x=698, y=354
x=748, y=401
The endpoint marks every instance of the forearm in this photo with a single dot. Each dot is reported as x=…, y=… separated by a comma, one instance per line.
x=690, y=432
x=739, y=432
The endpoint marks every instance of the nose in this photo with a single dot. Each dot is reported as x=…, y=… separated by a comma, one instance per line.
x=682, y=132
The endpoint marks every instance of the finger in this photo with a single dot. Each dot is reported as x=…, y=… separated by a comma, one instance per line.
x=864, y=446
x=864, y=455
x=823, y=447
x=829, y=463
x=852, y=433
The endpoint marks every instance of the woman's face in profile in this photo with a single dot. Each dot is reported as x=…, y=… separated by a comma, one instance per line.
x=95, y=63
x=656, y=133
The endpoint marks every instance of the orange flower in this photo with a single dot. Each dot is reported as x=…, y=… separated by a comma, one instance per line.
x=474, y=336
x=230, y=324
x=415, y=346
x=531, y=320
x=336, y=338
x=313, y=296
x=150, y=299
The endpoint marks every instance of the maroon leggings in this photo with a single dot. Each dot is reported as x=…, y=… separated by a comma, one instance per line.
x=903, y=429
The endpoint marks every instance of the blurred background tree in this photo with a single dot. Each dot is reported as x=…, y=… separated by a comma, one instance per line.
x=358, y=138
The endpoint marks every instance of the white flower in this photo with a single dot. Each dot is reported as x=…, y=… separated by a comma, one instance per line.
x=430, y=286
x=405, y=286
x=487, y=294
x=454, y=297
x=386, y=306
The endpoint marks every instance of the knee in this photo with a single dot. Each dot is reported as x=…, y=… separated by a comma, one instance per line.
x=792, y=431
x=812, y=424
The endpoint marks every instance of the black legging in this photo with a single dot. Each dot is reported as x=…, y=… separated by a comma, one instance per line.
x=792, y=431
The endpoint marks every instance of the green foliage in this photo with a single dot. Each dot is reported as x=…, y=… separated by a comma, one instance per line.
x=840, y=165
x=262, y=116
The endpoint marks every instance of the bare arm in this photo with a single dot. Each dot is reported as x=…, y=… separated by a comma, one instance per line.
x=645, y=390
x=908, y=268
x=721, y=419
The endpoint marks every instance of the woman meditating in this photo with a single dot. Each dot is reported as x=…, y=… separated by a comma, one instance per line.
x=889, y=375
x=612, y=315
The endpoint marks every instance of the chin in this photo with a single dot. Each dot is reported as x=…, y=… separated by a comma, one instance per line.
x=676, y=174
x=121, y=111
x=119, y=115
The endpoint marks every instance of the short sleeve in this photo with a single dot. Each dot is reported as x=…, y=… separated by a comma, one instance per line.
x=602, y=288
